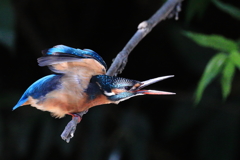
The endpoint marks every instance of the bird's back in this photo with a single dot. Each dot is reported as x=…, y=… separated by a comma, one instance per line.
x=39, y=89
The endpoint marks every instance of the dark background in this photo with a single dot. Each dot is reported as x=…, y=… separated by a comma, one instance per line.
x=142, y=128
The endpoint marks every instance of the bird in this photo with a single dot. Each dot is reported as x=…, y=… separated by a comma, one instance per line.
x=79, y=82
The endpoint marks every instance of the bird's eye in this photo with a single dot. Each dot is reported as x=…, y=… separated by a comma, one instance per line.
x=128, y=87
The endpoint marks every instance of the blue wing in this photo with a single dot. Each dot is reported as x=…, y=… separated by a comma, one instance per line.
x=40, y=88
x=61, y=58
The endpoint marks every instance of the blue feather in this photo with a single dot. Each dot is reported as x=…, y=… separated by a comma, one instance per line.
x=111, y=82
x=40, y=88
x=65, y=51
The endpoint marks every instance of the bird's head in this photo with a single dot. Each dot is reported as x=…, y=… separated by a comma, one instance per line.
x=118, y=89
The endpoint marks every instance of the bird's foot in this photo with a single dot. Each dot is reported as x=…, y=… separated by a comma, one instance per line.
x=69, y=130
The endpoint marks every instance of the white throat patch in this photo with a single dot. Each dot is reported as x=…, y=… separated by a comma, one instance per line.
x=109, y=93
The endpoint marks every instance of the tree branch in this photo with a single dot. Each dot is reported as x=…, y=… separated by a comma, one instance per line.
x=168, y=10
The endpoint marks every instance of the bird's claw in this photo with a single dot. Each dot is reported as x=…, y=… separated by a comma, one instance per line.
x=69, y=130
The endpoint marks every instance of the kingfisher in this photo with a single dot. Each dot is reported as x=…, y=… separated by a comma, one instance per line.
x=79, y=82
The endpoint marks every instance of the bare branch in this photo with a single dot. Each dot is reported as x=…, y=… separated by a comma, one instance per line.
x=168, y=10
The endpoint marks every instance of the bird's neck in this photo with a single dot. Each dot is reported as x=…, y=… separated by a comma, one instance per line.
x=95, y=95
x=93, y=91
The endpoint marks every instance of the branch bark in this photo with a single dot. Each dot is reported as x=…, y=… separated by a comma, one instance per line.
x=168, y=10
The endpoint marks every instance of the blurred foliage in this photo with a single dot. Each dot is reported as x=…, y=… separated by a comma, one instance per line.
x=196, y=8
x=7, y=30
x=230, y=9
x=220, y=63
x=142, y=128
x=216, y=42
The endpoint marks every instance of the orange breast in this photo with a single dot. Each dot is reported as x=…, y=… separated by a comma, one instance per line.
x=61, y=103
x=70, y=98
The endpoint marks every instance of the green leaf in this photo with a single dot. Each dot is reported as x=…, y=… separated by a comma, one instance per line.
x=231, y=10
x=227, y=76
x=235, y=58
x=211, y=71
x=217, y=42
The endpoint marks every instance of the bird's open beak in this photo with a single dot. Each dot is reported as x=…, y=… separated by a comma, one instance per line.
x=152, y=92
